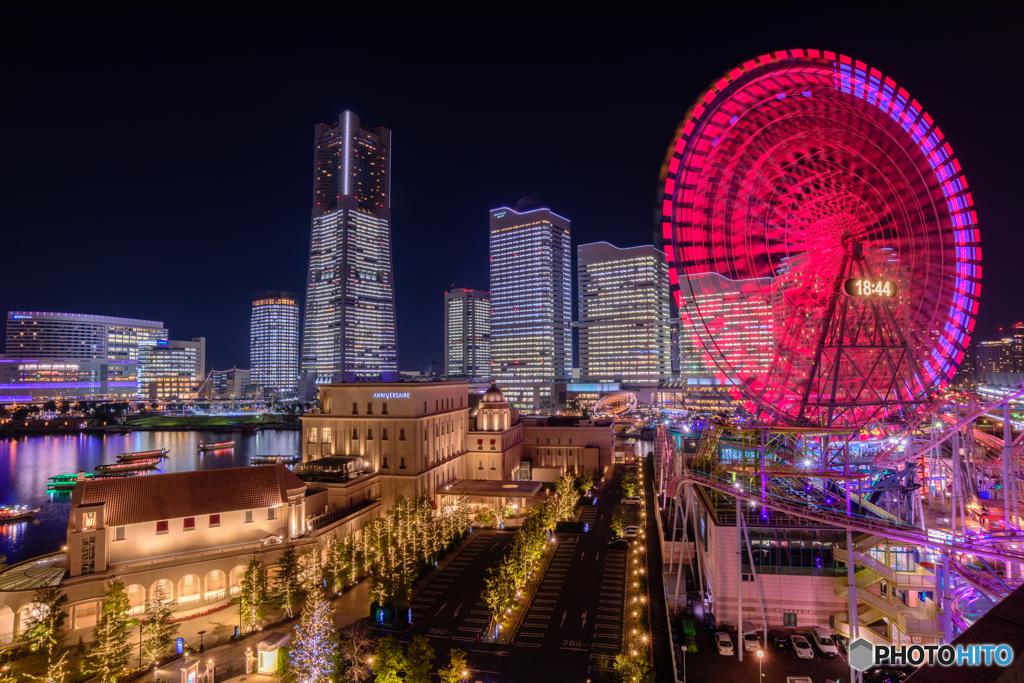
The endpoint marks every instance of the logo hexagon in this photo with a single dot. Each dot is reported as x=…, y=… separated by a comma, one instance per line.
x=862, y=654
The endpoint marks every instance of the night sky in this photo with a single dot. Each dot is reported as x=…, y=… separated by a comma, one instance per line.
x=160, y=167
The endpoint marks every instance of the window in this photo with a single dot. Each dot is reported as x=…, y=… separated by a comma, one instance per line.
x=89, y=522
x=85, y=615
x=570, y=442
x=369, y=435
x=559, y=441
x=271, y=513
x=424, y=406
x=549, y=442
x=492, y=464
x=492, y=444
x=424, y=434
x=214, y=520
x=327, y=434
x=385, y=462
x=355, y=434
x=538, y=442
x=384, y=408
x=312, y=434
x=355, y=408
x=789, y=619
x=248, y=516
x=190, y=524
x=327, y=407
x=384, y=435
x=162, y=528
x=401, y=435
x=119, y=534
x=401, y=464
x=460, y=401
x=437, y=405
x=481, y=465
x=369, y=409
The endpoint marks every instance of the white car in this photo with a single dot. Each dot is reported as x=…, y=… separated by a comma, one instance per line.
x=751, y=642
x=822, y=639
x=631, y=500
x=630, y=532
x=801, y=648
x=724, y=643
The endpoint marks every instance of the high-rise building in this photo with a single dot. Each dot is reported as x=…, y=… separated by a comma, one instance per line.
x=73, y=336
x=467, y=333
x=228, y=384
x=171, y=369
x=350, y=333
x=531, y=305
x=993, y=356
x=623, y=314
x=274, y=343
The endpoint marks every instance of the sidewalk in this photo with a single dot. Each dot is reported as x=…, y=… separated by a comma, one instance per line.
x=350, y=607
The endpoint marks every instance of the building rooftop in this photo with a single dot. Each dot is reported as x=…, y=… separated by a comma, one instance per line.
x=156, y=497
x=475, y=487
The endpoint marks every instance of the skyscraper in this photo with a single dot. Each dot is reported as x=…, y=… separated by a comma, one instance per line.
x=531, y=305
x=624, y=314
x=350, y=333
x=171, y=369
x=274, y=343
x=467, y=334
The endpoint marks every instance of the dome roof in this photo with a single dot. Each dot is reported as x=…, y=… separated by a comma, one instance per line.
x=493, y=395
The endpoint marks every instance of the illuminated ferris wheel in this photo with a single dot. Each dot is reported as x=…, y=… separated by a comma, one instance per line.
x=823, y=240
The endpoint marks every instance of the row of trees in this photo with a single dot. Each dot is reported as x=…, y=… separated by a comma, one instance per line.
x=390, y=661
x=634, y=665
x=504, y=583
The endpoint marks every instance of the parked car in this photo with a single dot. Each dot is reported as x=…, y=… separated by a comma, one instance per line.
x=631, y=500
x=842, y=643
x=751, y=642
x=801, y=648
x=724, y=643
x=618, y=544
x=630, y=532
x=778, y=641
x=822, y=640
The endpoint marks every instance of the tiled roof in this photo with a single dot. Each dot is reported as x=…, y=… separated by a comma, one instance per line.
x=156, y=497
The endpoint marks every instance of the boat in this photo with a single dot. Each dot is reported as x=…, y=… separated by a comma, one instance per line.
x=140, y=455
x=10, y=513
x=262, y=459
x=129, y=465
x=66, y=482
x=223, y=445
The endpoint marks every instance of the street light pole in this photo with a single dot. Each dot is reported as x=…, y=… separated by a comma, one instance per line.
x=760, y=656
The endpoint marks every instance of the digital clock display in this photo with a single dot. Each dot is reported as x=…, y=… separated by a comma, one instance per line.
x=873, y=288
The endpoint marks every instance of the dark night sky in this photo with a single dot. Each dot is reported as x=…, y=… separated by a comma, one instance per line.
x=160, y=167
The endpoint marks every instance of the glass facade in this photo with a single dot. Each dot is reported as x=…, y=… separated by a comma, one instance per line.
x=350, y=333
x=623, y=314
x=797, y=552
x=467, y=334
x=170, y=370
x=72, y=336
x=274, y=343
x=531, y=305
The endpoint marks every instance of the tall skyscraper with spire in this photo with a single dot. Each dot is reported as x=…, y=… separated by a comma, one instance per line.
x=350, y=333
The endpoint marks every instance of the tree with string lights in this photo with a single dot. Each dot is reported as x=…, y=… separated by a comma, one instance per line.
x=312, y=654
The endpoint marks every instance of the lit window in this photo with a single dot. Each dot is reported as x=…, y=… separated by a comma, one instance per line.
x=271, y=513
x=90, y=520
x=119, y=533
x=190, y=524
x=312, y=435
x=248, y=516
x=162, y=527
x=214, y=520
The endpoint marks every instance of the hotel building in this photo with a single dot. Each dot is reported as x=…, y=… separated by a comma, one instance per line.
x=531, y=305
x=623, y=314
x=274, y=343
x=350, y=333
x=467, y=334
x=30, y=379
x=171, y=369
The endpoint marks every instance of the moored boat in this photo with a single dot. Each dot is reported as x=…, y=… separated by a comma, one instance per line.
x=263, y=459
x=130, y=465
x=142, y=455
x=66, y=482
x=216, y=446
x=10, y=513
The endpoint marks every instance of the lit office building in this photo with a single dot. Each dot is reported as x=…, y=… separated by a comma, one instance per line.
x=350, y=333
x=32, y=379
x=467, y=333
x=171, y=369
x=623, y=314
x=228, y=384
x=531, y=305
x=992, y=357
x=274, y=343
x=71, y=336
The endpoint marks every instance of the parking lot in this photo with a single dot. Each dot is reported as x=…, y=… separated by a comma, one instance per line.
x=707, y=664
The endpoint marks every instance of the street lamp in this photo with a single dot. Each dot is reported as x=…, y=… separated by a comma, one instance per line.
x=202, y=648
x=760, y=656
x=369, y=666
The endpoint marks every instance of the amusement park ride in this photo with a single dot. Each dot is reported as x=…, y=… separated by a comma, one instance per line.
x=808, y=186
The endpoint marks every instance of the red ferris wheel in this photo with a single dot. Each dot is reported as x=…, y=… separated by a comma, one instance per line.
x=822, y=241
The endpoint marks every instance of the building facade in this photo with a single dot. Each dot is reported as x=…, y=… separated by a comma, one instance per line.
x=494, y=443
x=171, y=369
x=467, y=334
x=350, y=333
x=228, y=384
x=623, y=314
x=71, y=336
x=531, y=305
x=992, y=357
x=32, y=379
x=274, y=343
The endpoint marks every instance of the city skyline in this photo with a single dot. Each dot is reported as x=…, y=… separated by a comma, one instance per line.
x=503, y=154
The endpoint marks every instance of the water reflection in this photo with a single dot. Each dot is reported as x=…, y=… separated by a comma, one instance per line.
x=27, y=462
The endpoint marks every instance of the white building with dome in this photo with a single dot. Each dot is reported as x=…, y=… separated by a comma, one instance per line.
x=494, y=442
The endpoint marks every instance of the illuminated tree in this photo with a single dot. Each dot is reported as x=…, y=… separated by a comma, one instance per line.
x=456, y=665
x=46, y=622
x=112, y=650
x=312, y=653
x=419, y=660
x=618, y=519
x=287, y=584
x=56, y=671
x=157, y=630
x=355, y=645
x=253, y=595
x=388, y=660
